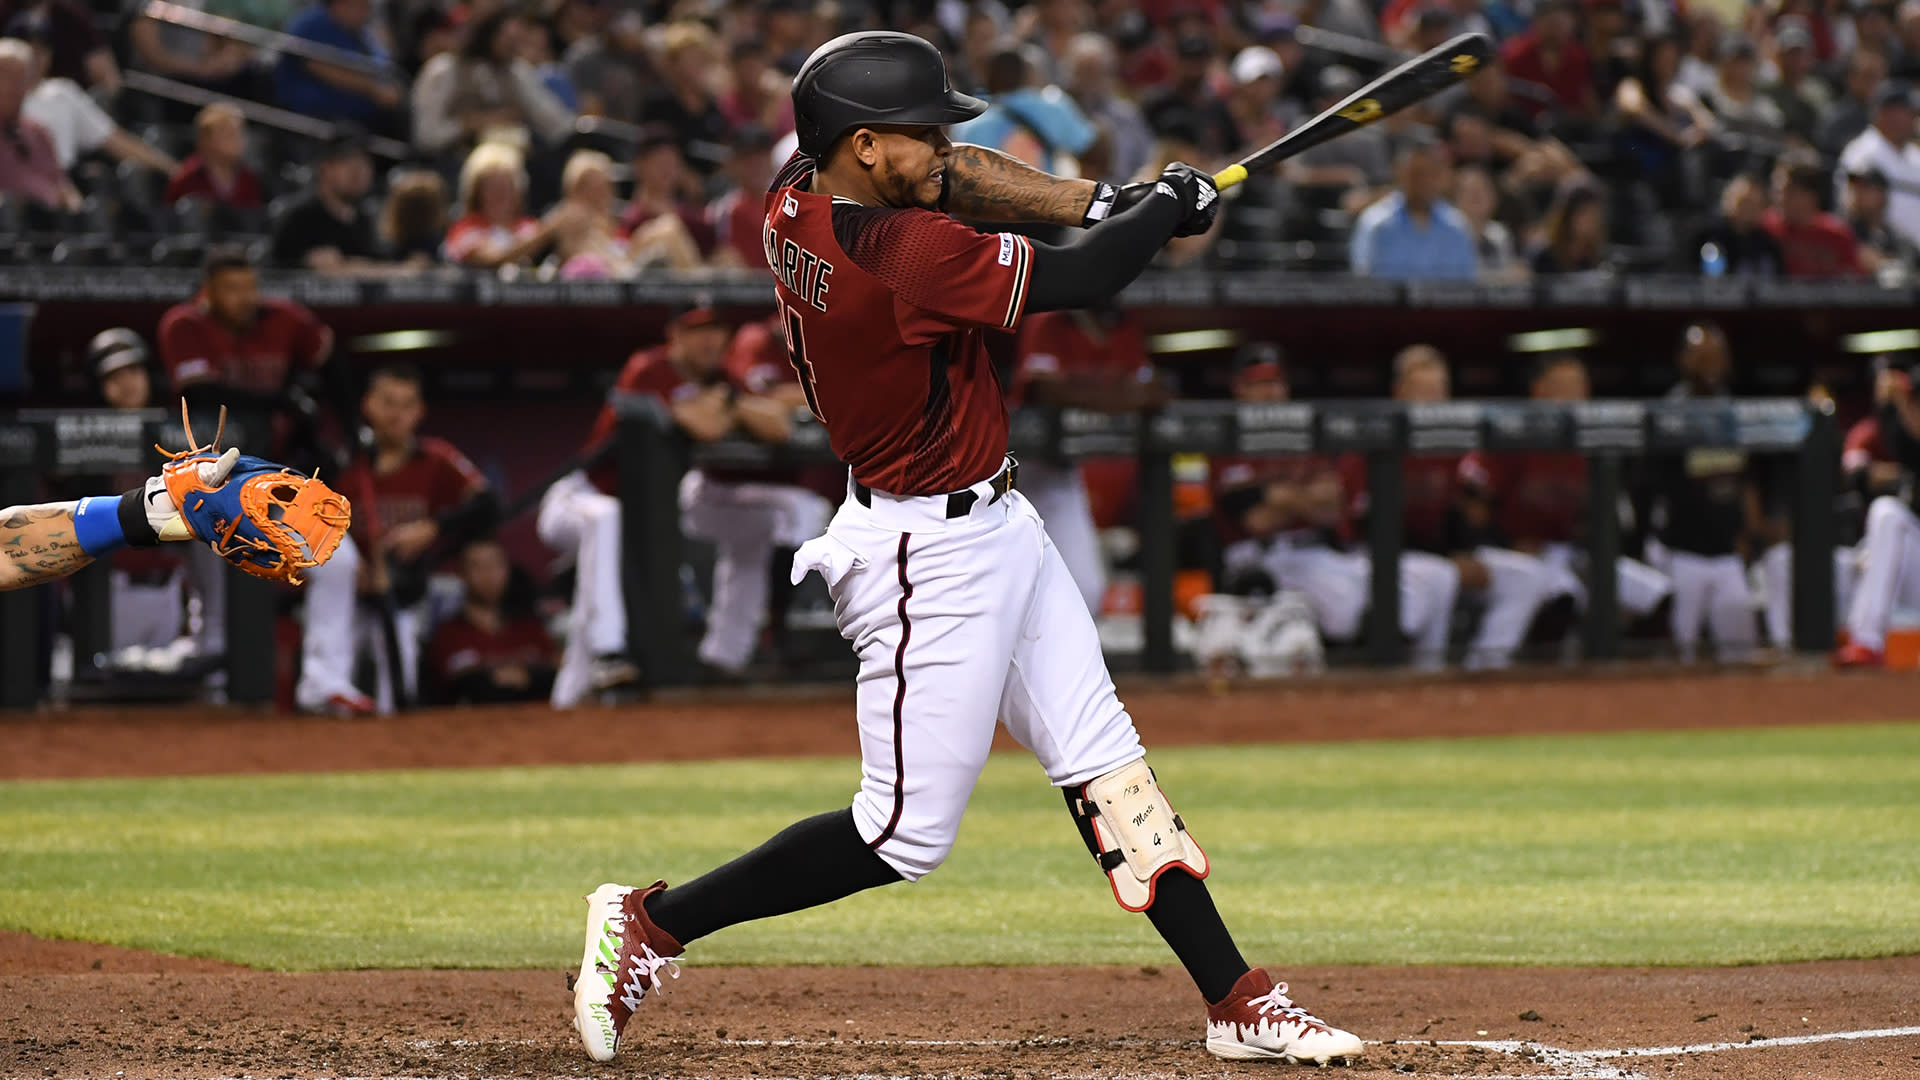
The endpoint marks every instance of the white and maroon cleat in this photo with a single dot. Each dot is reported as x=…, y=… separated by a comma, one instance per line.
x=624, y=957
x=1258, y=1022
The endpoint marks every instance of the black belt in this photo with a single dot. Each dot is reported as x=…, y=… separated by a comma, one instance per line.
x=960, y=503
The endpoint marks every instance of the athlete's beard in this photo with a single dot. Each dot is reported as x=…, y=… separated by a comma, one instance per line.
x=903, y=193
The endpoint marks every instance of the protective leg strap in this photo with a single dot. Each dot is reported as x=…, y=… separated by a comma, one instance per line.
x=1133, y=832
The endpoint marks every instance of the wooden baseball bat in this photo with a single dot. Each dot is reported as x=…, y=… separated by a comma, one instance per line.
x=1412, y=82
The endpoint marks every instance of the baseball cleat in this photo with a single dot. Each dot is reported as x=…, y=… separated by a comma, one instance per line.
x=624, y=956
x=1257, y=1022
x=1855, y=655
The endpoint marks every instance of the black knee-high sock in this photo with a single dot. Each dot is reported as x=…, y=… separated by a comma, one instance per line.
x=810, y=863
x=1184, y=914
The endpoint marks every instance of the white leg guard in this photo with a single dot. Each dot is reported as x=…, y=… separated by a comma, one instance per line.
x=1133, y=832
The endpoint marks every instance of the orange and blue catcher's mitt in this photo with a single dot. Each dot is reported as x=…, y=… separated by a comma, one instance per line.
x=258, y=515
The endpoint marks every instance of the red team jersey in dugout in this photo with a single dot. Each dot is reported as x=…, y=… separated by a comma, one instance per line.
x=887, y=313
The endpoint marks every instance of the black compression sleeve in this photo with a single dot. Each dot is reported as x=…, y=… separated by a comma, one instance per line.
x=1101, y=261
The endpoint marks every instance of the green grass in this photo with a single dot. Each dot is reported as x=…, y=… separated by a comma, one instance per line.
x=1695, y=848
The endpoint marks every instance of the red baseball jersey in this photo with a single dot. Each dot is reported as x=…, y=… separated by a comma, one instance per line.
x=887, y=313
x=1537, y=497
x=284, y=335
x=1059, y=343
x=1428, y=488
x=1227, y=474
x=435, y=479
x=459, y=647
x=647, y=372
x=757, y=360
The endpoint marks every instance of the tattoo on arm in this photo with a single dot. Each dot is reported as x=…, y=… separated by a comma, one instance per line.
x=37, y=545
x=986, y=185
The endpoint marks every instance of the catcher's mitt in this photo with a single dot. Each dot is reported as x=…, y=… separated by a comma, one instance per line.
x=260, y=516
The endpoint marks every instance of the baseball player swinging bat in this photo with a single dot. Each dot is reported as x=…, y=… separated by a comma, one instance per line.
x=1409, y=84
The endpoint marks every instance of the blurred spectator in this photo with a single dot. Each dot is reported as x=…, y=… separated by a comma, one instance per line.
x=1575, y=232
x=1699, y=69
x=1881, y=457
x=608, y=76
x=1092, y=74
x=1254, y=102
x=145, y=583
x=205, y=60
x=661, y=226
x=339, y=93
x=1813, y=243
x=1887, y=146
x=1513, y=585
x=1536, y=502
x=1735, y=97
x=1660, y=120
x=588, y=241
x=1188, y=104
x=1850, y=113
x=77, y=51
x=758, y=96
x=1864, y=201
x=1414, y=233
x=328, y=229
x=430, y=33
x=1549, y=55
x=788, y=26
x=747, y=514
x=1358, y=166
x=259, y=356
x=1051, y=26
x=737, y=217
x=1476, y=198
x=462, y=98
x=1735, y=244
x=75, y=120
x=485, y=654
x=427, y=497
x=1091, y=360
x=1799, y=95
x=413, y=224
x=217, y=169
x=29, y=164
x=1703, y=502
x=1037, y=124
x=494, y=228
x=686, y=105
x=580, y=514
x=540, y=47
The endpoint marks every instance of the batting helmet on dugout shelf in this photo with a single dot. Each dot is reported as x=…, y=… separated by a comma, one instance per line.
x=874, y=77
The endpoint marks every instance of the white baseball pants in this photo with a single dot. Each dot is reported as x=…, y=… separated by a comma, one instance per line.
x=1709, y=591
x=959, y=622
x=1060, y=497
x=1640, y=587
x=1339, y=587
x=578, y=519
x=1776, y=572
x=744, y=522
x=146, y=615
x=1891, y=577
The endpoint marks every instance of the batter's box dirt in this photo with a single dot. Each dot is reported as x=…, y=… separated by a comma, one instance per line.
x=145, y=1016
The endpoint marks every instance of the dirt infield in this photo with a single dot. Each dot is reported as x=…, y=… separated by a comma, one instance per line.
x=177, y=742
x=73, y=1009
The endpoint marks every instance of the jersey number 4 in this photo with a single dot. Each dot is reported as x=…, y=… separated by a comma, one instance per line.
x=797, y=353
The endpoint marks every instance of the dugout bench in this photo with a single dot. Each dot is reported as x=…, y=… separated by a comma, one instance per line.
x=652, y=457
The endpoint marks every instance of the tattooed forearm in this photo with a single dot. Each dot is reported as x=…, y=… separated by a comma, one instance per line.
x=986, y=185
x=37, y=544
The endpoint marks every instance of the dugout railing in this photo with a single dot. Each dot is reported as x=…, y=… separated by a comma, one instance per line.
x=652, y=457
x=58, y=453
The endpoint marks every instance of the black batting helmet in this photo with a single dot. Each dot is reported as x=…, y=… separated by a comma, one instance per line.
x=874, y=77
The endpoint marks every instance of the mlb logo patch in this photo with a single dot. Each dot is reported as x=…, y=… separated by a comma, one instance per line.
x=791, y=205
x=1006, y=249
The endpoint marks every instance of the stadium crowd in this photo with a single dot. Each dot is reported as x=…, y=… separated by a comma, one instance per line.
x=599, y=138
